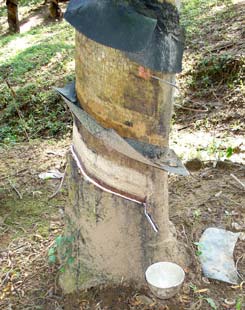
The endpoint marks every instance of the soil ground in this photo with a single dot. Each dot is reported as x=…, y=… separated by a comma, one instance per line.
x=30, y=221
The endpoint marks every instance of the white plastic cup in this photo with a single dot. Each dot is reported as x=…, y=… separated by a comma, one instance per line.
x=164, y=279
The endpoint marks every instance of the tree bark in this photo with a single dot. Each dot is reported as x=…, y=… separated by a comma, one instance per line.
x=54, y=9
x=13, y=19
x=111, y=237
x=109, y=88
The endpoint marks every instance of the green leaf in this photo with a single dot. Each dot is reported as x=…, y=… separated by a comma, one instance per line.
x=193, y=287
x=51, y=251
x=62, y=269
x=70, y=260
x=229, y=152
x=59, y=240
x=70, y=239
x=211, y=302
x=52, y=259
x=239, y=304
x=198, y=253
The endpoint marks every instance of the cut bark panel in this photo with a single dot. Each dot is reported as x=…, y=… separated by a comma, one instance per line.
x=103, y=149
x=112, y=239
x=109, y=89
x=111, y=169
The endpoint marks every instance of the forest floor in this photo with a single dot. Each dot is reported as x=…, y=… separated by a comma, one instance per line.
x=207, y=133
x=31, y=221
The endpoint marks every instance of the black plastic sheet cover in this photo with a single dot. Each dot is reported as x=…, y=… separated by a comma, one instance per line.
x=164, y=52
x=113, y=23
x=146, y=30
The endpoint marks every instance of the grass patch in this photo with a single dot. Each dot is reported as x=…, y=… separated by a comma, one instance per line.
x=28, y=214
x=197, y=15
x=215, y=70
x=213, y=62
x=33, y=63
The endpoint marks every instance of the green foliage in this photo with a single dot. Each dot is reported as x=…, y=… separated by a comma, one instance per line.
x=51, y=256
x=239, y=304
x=211, y=302
x=27, y=212
x=30, y=2
x=193, y=287
x=219, y=150
x=197, y=214
x=216, y=69
x=229, y=152
x=199, y=248
x=33, y=63
x=197, y=13
x=62, y=249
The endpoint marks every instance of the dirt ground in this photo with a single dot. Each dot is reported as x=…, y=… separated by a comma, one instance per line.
x=209, y=197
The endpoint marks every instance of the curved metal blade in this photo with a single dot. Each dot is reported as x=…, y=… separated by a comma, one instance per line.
x=148, y=154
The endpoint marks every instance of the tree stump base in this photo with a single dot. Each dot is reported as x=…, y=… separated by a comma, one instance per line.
x=110, y=238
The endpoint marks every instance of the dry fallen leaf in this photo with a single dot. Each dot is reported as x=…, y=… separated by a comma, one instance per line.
x=203, y=290
x=184, y=299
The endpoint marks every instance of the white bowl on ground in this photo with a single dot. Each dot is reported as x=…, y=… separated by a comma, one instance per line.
x=164, y=279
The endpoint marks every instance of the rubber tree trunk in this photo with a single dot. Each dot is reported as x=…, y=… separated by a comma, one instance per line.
x=13, y=19
x=108, y=238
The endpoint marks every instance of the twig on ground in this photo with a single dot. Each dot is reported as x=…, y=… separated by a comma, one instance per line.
x=17, y=109
x=191, y=109
x=60, y=186
x=15, y=189
x=231, y=200
x=221, y=46
x=42, y=251
x=19, y=247
x=56, y=278
x=224, y=198
x=187, y=239
x=19, y=227
x=6, y=277
x=13, y=175
x=240, y=182
x=197, y=305
x=237, y=262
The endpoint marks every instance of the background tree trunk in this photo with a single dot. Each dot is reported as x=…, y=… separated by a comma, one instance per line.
x=13, y=19
x=54, y=9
